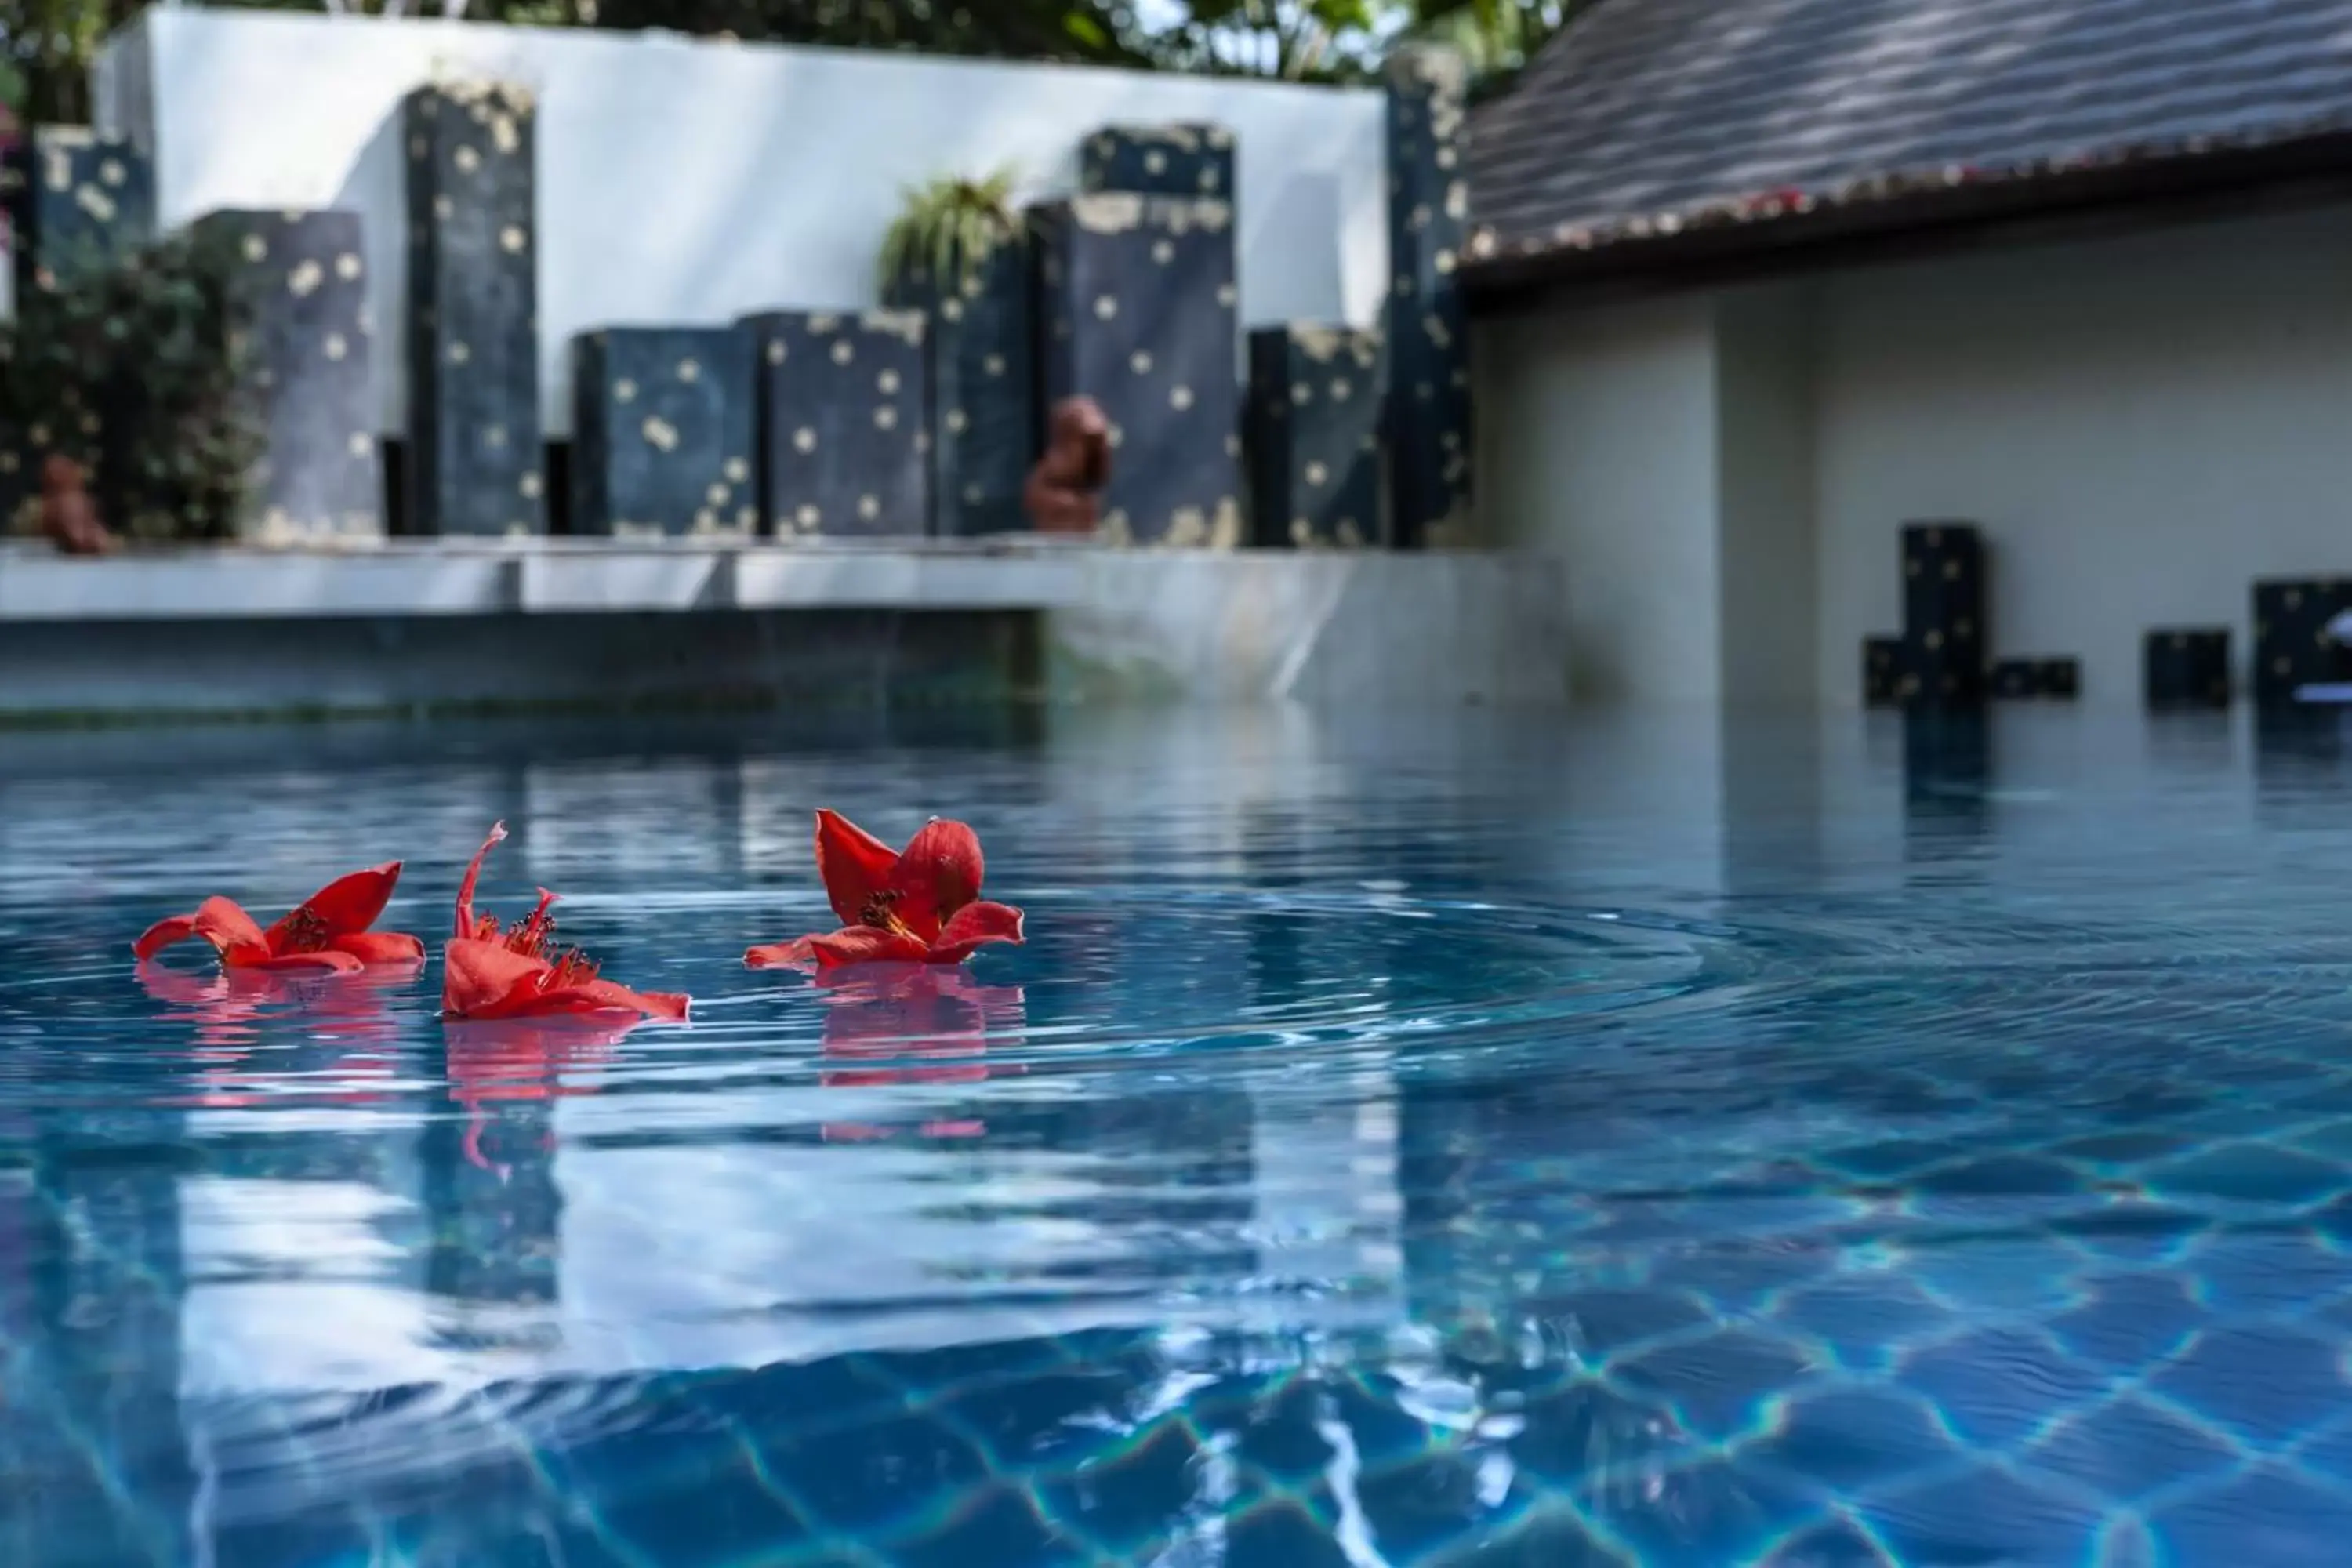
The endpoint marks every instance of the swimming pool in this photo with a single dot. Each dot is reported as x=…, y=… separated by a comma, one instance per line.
x=1493, y=1139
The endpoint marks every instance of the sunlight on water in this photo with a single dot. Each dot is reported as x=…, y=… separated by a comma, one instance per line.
x=1490, y=1138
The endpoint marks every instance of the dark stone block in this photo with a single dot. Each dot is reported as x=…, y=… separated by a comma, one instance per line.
x=1138, y=300
x=661, y=432
x=983, y=416
x=2029, y=678
x=2187, y=668
x=1313, y=436
x=1159, y=161
x=302, y=290
x=74, y=199
x=1882, y=671
x=842, y=447
x=1943, y=612
x=473, y=453
x=2292, y=644
x=1428, y=414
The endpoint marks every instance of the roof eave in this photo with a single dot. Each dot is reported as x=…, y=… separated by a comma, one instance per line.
x=1968, y=214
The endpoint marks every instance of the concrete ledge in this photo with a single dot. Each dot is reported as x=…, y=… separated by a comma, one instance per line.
x=1350, y=627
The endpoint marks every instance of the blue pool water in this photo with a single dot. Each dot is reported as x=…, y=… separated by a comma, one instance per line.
x=1488, y=1140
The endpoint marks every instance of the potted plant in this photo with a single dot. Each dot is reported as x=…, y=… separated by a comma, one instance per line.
x=957, y=253
x=945, y=232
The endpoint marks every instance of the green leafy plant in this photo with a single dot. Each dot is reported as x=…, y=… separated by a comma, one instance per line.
x=946, y=229
x=137, y=368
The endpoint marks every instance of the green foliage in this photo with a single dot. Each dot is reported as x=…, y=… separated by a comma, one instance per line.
x=947, y=228
x=1496, y=37
x=1097, y=32
x=137, y=369
x=1293, y=40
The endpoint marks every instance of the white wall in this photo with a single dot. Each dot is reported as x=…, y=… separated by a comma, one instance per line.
x=682, y=181
x=2142, y=425
x=1764, y=479
x=1595, y=441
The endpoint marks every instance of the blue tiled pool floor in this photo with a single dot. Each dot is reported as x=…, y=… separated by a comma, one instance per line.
x=1477, y=1141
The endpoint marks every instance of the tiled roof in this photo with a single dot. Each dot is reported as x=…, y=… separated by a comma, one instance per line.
x=1652, y=117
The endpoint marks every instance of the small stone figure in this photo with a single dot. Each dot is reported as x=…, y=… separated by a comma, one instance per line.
x=68, y=520
x=1064, y=494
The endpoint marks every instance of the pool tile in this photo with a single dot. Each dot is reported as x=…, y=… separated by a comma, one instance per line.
x=2126, y=1147
x=2126, y=1448
x=2264, y=1385
x=2127, y=1321
x=1985, y=1516
x=857, y=1480
x=2268, y=1517
x=1708, y=1511
x=1120, y=1496
x=2268, y=1275
x=1838, y=1543
x=1605, y=1322
x=1573, y=1428
x=1999, y=1387
x=1863, y=1318
x=1852, y=1439
x=2033, y=1275
x=1999, y=1175
x=993, y=1523
x=1717, y=1385
x=2248, y=1172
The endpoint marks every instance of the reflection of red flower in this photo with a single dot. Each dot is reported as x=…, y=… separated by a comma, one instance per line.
x=524, y=1059
x=922, y=906
x=489, y=971
x=328, y=931
x=893, y=1013
x=227, y=1006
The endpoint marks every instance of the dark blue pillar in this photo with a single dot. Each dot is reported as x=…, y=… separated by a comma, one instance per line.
x=842, y=403
x=1429, y=221
x=301, y=292
x=1313, y=427
x=474, y=464
x=1140, y=302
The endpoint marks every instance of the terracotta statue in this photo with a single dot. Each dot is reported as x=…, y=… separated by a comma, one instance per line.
x=1064, y=494
x=68, y=520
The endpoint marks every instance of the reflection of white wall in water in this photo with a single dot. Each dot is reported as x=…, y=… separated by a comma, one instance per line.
x=1330, y=1211
x=296, y=1286
x=609, y=820
x=692, y=182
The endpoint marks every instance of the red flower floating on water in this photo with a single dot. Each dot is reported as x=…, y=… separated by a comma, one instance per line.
x=330, y=931
x=487, y=971
x=922, y=906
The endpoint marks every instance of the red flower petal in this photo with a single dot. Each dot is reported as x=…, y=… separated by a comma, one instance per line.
x=781, y=954
x=380, y=947
x=344, y=906
x=853, y=864
x=608, y=996
x=865, y=945
x=220, y=922
x=938, y=874
x=477, y=976
x=163, y=933
x=975, y=926
x=225, y=924
x=473, y=875
x=489, y=980
x=328, y=961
